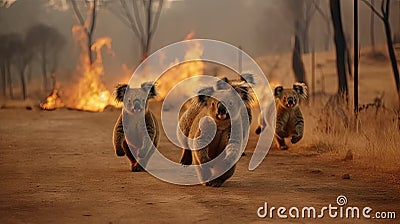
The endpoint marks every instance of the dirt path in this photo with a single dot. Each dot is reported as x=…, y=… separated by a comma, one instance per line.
x=60, y=167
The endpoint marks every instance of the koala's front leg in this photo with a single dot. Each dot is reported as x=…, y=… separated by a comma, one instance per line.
x=200, y=157
x=299, y=127
x=119, y=137
x=281, y=120
x=234, y=143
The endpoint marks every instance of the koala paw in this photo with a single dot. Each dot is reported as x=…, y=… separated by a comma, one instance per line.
x=296, y=138
x=120, y=152
x=282, y=134
x=186, y=159
x=283, y=147
x=214, y=183
x=136, y=168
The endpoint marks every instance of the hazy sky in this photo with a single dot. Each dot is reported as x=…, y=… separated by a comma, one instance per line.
x=259, y=26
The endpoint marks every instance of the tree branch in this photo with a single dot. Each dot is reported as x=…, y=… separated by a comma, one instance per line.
x=380, y=16
x=78, y=13
x=129, y=20
x=93, y=19
x=157, y=17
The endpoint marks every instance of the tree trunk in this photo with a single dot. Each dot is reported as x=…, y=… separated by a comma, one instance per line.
x=23, y=83
x=89, y=46
x=3, y=78
x=44, y=70
x=297, y=61
x=9, y=80
x=340, y=44
x=372, y=28
x=392, y=54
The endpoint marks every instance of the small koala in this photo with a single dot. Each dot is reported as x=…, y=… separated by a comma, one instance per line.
x=289, y=119
x=140, y=122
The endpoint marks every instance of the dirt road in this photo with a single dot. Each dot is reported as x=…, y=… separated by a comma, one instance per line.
x=60, y=167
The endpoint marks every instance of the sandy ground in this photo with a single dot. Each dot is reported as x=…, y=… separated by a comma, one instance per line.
x=60, y=167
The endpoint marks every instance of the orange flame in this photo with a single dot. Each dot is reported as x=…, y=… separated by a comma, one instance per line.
x=184, y=70
x=90, y=93
x=53, y=101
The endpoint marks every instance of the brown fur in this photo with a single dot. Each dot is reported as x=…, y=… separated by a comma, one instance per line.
x=197, y=104
x=289, y=119
x=209, y=107
x=136, y=107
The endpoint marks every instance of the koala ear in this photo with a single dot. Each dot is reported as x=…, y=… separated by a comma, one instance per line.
x=148, y=86
x=119, y=92
x=301, y=89
x=243, y=91
x=204, y=94
x=278, y=90
x=249, y=78
x=223, y=83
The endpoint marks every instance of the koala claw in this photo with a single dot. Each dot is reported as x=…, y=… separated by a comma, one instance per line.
x=283, y=134
x=295, y=138
x=214, y=183
x=137, y=168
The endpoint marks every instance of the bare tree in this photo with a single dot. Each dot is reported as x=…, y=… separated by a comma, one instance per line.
x=384, y=16
x=340, y=44
x=297, y=61
x=22, y=58
x=46, y=42
x=88, y=24
x=372, y=28
x=8, y=44
x=3, y=48
x=327, y=20
x=141, y=17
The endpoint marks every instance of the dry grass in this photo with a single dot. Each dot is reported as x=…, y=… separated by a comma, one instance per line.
x=374, y=143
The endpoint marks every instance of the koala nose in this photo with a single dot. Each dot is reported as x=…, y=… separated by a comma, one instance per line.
x=136, y=105
x=290, y=100
x=221, y=109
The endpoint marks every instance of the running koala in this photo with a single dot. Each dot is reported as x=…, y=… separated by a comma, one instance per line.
x=217, y=110
x=141, y=120
x=289, y=119
x=197, y=104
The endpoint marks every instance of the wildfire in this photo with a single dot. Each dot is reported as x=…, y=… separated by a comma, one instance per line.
x=90, y=93
x=184, y=70
x=53, y=101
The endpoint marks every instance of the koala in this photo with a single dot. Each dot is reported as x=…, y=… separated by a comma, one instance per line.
x=209, y=106
x=197, y=104
x=289, y=119
x=141, y=120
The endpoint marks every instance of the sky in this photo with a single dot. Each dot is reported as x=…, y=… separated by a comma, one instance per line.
x=261, y=27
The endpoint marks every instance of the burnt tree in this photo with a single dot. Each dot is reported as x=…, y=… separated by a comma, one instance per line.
x=22, y=58
x=340, y=45
x=141, y=17
x=88, y=24
x=47, y=43
x=297, y=61
x=384, y=16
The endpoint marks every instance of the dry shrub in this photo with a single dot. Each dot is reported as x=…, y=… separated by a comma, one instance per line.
x=374, y=142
